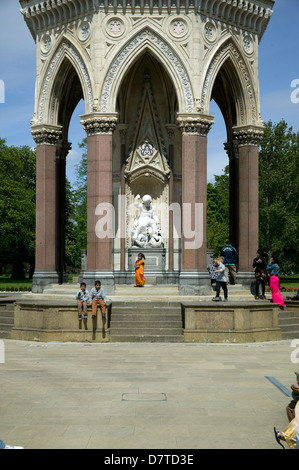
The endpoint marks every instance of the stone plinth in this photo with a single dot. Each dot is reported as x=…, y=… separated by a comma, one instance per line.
x=57, y=321
x=154, y=264
x=231, y=322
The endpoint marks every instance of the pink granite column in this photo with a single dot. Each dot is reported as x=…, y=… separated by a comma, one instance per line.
x=100, y=214
x=248, y=140
x=194, y=202
x=171, y=128
x=122, y=131
x=46, y=202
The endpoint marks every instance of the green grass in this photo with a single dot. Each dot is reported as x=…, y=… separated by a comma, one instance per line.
x=14, y=285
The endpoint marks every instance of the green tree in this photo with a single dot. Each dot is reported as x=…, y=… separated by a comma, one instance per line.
x=218, y=212
x=279, y=193
x=76, y=213
x=17, y=207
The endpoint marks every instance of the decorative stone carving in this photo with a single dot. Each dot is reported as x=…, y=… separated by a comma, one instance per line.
x=165, y=50
x=248, y=45
x=248, y=136
x=66, y=47
x=99, y=124
x=46, y=135
x=147, y=155
x=250, y=14
x=210, y=31
x=228, y=49
x=84, y=31
x=197, y=125
x=146, y=232
x=46, y=43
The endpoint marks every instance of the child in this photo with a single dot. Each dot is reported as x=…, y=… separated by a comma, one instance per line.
x=211, y=268
x=97, y=296
x=82, y=297
x=220, y=281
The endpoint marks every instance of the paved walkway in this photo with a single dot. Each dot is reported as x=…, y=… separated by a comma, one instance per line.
x=144, y=396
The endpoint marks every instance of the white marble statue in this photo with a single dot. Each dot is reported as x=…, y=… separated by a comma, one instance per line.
x=146, y=232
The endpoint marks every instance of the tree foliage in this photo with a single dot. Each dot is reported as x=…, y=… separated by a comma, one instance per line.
x=17, y=206
x=218, y=212
x=76, y=213
x=279, y=193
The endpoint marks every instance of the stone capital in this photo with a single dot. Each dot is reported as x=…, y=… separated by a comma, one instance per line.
x=195, y=124
x=248, y=135
x=46, y=135
x=99, y=123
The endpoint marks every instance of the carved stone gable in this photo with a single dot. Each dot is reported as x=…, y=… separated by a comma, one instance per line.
x=147, y=151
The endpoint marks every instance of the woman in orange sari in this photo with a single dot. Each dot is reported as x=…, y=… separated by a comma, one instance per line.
x=139, y=271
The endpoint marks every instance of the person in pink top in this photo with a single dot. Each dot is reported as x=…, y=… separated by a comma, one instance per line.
x=273, y=269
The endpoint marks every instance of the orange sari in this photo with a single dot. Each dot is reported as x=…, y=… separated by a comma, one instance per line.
x=139, y=273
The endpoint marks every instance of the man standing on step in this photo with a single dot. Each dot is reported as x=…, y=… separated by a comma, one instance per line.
x=230, y=261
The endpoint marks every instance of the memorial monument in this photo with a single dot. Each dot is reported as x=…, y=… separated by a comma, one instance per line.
x=147, y=71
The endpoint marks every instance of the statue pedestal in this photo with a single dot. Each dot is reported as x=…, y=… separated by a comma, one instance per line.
x=154, y=263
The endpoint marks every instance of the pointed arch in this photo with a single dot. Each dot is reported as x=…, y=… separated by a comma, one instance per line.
x=65, y=55
x=147, y=40
x=229, y=61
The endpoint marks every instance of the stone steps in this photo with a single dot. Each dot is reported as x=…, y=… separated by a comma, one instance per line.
x=146, y=322
x=289, y=324
x=6, y=320
x=148, y=292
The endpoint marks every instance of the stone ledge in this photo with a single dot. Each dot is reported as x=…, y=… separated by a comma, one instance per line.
x=231, y=321
x=57, y=321
x=238, y=321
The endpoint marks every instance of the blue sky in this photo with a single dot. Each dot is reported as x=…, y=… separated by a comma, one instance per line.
x=278, y=67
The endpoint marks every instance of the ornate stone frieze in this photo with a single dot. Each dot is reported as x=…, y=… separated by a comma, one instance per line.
x=252, y=15
x=99, y=124
x=46, y=135
x=248, y=136
x=196, y=125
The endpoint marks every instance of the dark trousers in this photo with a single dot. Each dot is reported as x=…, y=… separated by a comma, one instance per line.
x=259, y=282
x=220, y=284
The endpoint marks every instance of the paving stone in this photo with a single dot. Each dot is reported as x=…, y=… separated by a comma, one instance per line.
x=143, y=395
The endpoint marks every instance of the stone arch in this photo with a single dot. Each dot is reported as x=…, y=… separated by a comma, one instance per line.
x=147, y=39
x=66, y=54
x=229, y=60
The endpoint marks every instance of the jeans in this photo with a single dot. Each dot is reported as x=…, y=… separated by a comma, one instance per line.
x=2, y=445
x=220, y=284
